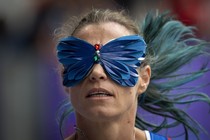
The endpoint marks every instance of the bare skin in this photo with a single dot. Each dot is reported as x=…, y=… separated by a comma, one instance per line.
x=106, y=117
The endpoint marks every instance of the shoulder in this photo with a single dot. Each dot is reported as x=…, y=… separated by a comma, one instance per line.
x=153, y=136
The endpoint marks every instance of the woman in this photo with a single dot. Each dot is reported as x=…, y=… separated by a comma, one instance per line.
x=110, y=68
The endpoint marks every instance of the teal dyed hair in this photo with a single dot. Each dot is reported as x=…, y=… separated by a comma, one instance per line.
x=171, y=45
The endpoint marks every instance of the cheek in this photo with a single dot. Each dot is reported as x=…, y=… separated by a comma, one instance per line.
x=74, y=96
x=128, y=96
x=128, y=101
x=131, y=91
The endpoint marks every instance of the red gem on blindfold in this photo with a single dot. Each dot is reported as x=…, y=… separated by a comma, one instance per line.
x=97, y=53
x=97, y=46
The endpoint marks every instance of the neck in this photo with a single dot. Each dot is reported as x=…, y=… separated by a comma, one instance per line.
x=106, y=130
x=122, y=127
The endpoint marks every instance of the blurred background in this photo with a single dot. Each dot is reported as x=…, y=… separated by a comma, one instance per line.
x=30, y=84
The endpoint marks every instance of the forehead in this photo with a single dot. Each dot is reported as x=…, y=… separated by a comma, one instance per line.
x=102, y=32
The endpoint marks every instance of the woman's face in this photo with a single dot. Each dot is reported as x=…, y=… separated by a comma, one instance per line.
x=98, y=97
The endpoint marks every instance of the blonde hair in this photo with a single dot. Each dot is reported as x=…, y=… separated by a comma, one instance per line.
x=75, y=24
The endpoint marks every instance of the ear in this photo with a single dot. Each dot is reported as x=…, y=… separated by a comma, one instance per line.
x=144, y=79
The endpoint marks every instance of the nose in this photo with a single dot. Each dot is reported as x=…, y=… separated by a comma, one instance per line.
x=97, y=73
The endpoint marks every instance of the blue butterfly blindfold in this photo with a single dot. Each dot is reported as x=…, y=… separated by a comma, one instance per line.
x=119, y=58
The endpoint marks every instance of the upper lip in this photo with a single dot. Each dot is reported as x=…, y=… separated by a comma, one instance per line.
x=98, y=90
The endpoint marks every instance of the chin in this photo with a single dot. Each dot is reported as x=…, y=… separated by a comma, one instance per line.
x=101, y=114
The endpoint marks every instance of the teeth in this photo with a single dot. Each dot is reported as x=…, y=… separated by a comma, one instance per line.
x=99, y=94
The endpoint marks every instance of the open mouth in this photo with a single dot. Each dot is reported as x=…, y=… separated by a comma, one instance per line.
x=98, y=94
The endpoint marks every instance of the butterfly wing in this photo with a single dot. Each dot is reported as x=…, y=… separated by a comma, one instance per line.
x=120, y=58
x=76, y=55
